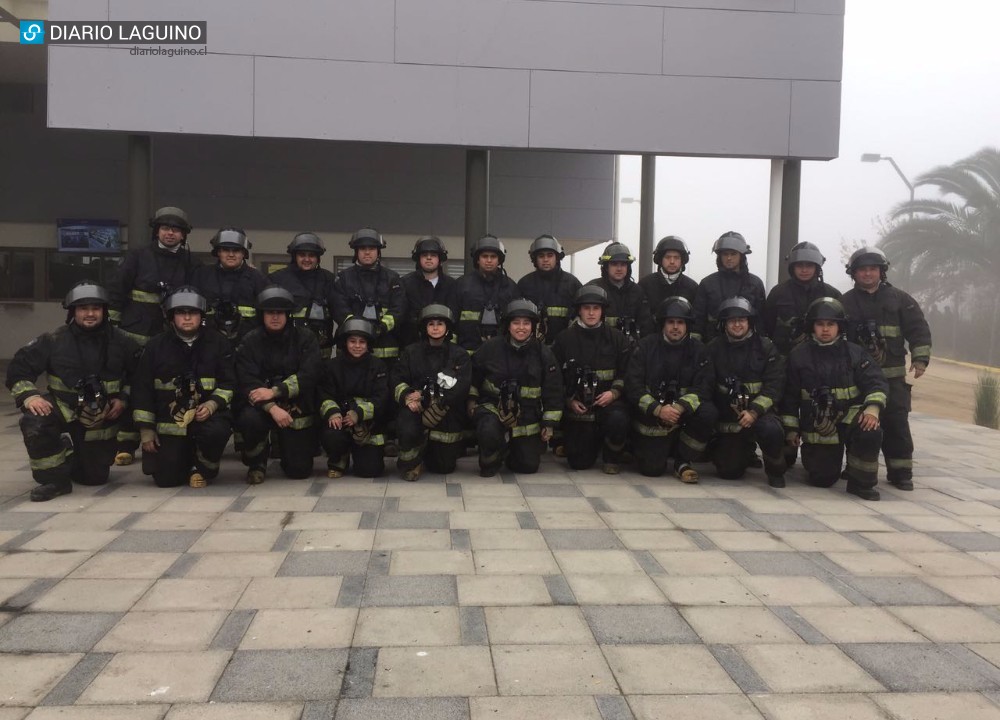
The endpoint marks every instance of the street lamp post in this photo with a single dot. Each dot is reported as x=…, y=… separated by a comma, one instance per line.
x=875, y=157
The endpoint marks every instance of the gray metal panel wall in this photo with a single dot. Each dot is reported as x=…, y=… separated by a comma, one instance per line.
x=477, y=73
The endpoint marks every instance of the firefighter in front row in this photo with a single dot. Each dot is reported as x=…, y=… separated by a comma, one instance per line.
x=149, y=272
x=627, y=309
x=230, y=286
x=668, y=385
x=181, y=395
x=593, y=357
x=310, y=285
x=516, y=398
x=88, y=364
x=277, y=366
x=551, y=288
x=749, y=384
x=354, y=398
x=430, y=384
x=883, y=318
x=834, y=395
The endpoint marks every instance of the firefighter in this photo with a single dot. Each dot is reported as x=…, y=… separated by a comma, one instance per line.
x=310, y=285
x=430, y=384
x=277, y=366
x=834, y=395
x=427, y=284
x=670, y=258
x=88, y=363
x=516, y=397
x=627, y=308
x=231, y=286
x=148, y=274
x=593, y=357
x=732, y=279
x=353, y=395
x=550, y=287
x=481, y=295
x=371, y=291
x=785, y=308
x=749, y=385
x=885, y=320
x=181, y=395
x=668, y=385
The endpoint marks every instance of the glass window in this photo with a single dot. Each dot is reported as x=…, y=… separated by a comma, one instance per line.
x=17, y=274
x=66, y=270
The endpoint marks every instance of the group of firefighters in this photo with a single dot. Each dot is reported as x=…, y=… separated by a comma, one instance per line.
x=176, y=357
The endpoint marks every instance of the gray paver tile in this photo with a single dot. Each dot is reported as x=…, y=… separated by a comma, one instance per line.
x=916, y=668
x=776, y=563
x=898, y=591
x=324, y=563
x=462, y=671
x=173, y=541
x=410, y=708
x=236, y=711
x=639, y=669
x=638, y=625
x=410, y=590
x=166, y=677
x=55, y=632
x=281, y=675
x=538, y=708
x=407, y=626
x=697, y=707
x=807, y=668
x=582, y=540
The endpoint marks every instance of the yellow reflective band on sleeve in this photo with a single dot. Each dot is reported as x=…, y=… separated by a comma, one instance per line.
x=848, y=393
x=389, y=321
x=876, y=398
x=728, y=428
x=611, y=321
x=473, y=392
x=376, y=439
x=445, y=437
x=529, y=393
x=140, y=339
x=553, y=416
x=145, y=297
x=47, y=463
x=226, y=395
x=68, y=413
x=525, y=430
x=161, y=385
x=301, y=423
x=490, y=388
x=920, y=351
x=115, y=315
x=753, y=387
x=112, y=386
x=852, y=412
x=692, y=400
x=366, y=408
x=385, y=352
x=328, y=405
x=23, y=386
x=108, y=433
x=605, y=374
x=765, y=403
x=399, y=391
x=894, y=372
x=144, y=416
x=301, y=313
x=124, y=436
x=171, y=429
x=790, y=421
x=57, y=384
x=246, y=311
x=557, y=311
x=647, y=401
x=291, y=384
x=817, y=439
x=207, y=384
x=890, y=331
x=470, y=315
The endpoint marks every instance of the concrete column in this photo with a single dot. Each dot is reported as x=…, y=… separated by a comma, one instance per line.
x=140, y=186
x=773, y=274
x=646, y=208
x=477, y=199
x=791, y=186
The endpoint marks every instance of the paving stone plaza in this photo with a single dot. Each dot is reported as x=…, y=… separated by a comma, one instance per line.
x=562, y=595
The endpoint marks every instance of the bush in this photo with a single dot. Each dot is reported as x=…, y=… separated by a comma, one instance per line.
x=987, y=412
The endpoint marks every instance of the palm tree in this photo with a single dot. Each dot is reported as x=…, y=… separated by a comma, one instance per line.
x=946, y=246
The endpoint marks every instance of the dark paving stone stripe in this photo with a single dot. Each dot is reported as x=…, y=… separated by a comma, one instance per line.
x=233, y=629
x=507, y=477
x=705, y=505
x=55, y=632
x=645, y=491
x=613, y=707
x=359, y=678
x=473, y=626
x=413, y=520
x=182, y=565
x=128, y=521
x=153, y=541
x=785, y=522
x=241, y=503
x=648, y=563
x=410, y=591
x=526, y=521
x=378, y=564
x=285, y=541
x=369, y=521
x=582, y=540
x=390, y=504
x=461, y=540
x=738, y=668
x=107, y=489
x=20, y=539
x=31, y=593
x=76, y=680
x=403, y=709
x=453, y=489
x=800, y=626
x=559, y=590
x=315, y=710
x=352, y=589
x=599, y=504
x=319, y=563
x=892, y=591
x=748, y=523
x=973, y=661
x=20, y=520
x=316, y=489
x=897, y=524
x=281, y=676
x=550, y=490
x=699, y=539
x=916, y=667
x=865, y=542
x=968, y=541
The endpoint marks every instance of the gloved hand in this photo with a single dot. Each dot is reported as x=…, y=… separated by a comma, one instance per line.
x=433, y=415
x=361, y=432
x=509, y=419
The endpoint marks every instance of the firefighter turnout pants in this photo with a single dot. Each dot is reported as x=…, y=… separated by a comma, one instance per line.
x=88, y=460
x=296, y=444
x=438, y=449
x=733, y=448
x=688, y=442
x=586, y=436
x=200, y=450
x=343, y=451
x=823, y=457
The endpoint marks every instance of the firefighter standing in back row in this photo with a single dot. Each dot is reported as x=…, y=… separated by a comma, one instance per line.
x=428, y=284
x=593, y=357
x=834, y=395
x=670, y=258
x=311, y=286
x=732, y=279
x=550, y=287
x=181, y=395
x=149, y=273
x=482, y=294
x=516, y=398
x=885, y=320
x=231, y=286
x=627, y=310
x=430, y=384
x=88, y=364
x=277, y=367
